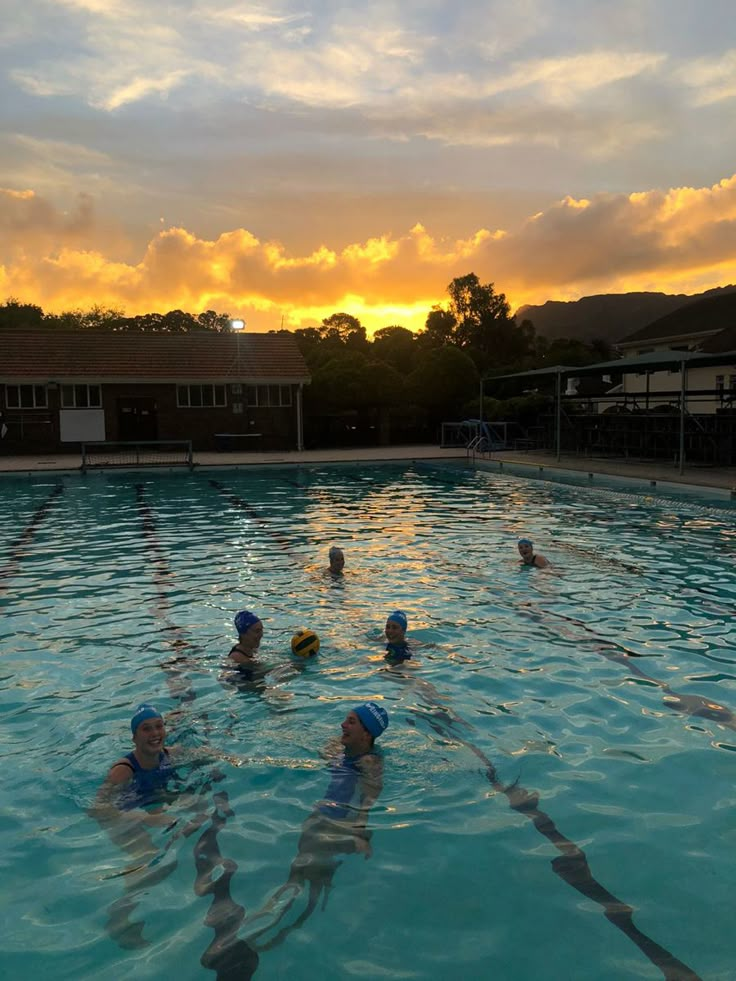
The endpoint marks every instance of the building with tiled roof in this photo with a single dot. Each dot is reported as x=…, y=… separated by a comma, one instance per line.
x=219, y=390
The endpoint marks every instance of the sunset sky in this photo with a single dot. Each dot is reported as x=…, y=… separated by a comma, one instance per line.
x=282, y=161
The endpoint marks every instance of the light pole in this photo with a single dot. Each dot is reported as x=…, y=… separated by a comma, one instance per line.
x=237, y=326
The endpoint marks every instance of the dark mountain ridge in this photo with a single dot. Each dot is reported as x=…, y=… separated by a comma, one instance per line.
x=607, y=316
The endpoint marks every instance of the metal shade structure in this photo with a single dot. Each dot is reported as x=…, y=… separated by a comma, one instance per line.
x=652, y=361
x=559, y=371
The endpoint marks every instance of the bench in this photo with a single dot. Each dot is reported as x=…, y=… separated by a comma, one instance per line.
x=229, y=442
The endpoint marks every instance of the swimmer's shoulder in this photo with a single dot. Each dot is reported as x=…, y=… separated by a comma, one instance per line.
x=237, y=657
x=121, y=771
x=371, y=764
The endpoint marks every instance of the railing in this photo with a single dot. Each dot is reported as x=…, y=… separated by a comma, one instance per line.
x=145, y=453
x=479, y=444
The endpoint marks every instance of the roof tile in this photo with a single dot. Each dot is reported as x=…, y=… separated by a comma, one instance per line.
x=57, y=355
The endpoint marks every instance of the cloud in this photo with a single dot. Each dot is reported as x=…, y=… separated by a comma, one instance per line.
x=680, y=240
x=31, y=225
x=713, y=79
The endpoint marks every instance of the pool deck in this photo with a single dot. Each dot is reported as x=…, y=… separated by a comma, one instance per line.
x=716, y=477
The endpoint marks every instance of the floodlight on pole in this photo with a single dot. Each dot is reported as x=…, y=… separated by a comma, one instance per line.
x=238, y=326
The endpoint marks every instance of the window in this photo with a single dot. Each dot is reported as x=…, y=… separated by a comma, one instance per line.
x=268, y=396
x=200, y=396
x=25, y=397
x=80, y=397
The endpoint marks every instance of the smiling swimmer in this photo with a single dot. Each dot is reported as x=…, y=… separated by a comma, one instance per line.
x=528, y=557
x=397, y=648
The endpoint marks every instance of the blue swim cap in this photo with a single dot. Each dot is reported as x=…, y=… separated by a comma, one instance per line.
x=245, y=619
x=526, y=541
x=373, y=718
x=142, y=713
x=398, y=616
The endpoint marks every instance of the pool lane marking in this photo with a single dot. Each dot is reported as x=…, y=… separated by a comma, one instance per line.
x=227, y=955
x=231, y=958
x=26, y=537
x=573, y=868
x=572, y=864
x=694, y=705
x=242, y=505
x=177, y=682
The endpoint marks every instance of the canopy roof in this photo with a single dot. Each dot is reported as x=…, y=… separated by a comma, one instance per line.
x=653, y=361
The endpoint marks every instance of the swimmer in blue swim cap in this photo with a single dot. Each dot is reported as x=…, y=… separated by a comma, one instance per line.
x=250, y=631
x=397, y=648
x=142, y=773
x=337, y=826
x=135, y=798
x=528, y=555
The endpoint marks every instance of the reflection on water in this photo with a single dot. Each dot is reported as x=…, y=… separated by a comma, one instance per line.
x=600, y=694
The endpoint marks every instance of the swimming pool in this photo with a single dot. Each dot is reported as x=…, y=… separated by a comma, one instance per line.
x=119, y=588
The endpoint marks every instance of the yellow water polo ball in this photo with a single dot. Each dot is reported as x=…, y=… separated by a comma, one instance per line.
x=305, y=643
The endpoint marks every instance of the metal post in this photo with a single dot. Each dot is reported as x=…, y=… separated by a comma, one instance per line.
x=299, y=420
x=559, y=414
x=480, y=403
x=683, y=389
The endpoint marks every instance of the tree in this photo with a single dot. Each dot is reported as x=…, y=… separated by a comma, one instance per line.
x=345, y=328
x=20, y=316
x=474, y=305
x=439, y=328
x=218, y=322
x=96, y=318
x=339, y=383
x=396, y=346
x=479, y=321
x=443, y=380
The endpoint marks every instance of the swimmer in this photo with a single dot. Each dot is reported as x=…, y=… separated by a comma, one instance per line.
x=528, y=556
x=397, y=648
x=140, y=779
x=337, y=561
x=250, y=632
x=337, y=825
x=244, y=670
x=131, y=800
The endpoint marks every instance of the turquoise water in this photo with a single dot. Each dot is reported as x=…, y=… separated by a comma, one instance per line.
x=106, y=580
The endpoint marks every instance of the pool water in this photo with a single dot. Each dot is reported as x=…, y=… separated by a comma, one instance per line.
x=605, y=686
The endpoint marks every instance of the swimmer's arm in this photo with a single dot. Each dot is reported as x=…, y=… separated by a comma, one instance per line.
x=371, y=785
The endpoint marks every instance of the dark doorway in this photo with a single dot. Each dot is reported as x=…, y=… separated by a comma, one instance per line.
x=137, y=420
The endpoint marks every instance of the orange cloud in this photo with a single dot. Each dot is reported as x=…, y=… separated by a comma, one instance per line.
x=676, y=240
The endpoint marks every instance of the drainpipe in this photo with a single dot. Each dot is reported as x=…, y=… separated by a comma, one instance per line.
x=299, y=420
x=683, y=388
x=559, y=413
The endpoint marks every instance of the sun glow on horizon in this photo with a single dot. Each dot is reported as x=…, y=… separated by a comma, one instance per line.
x=679, y=240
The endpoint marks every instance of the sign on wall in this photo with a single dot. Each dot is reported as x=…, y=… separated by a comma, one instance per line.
x=81, y=425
